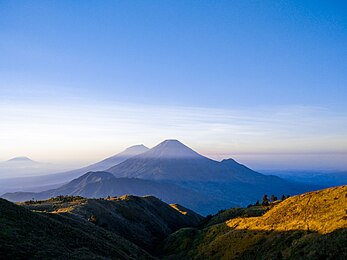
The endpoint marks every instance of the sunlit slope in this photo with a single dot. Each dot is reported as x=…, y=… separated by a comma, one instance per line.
x=308, y=226
x=321, y=211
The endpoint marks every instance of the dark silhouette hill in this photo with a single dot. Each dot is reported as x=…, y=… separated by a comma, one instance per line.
x=142, y=220
x=28, y=235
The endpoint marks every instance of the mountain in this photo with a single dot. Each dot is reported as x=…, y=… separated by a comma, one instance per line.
x=144, y=221
x=174, y=162
x=113, y=160
x=170, y=160
x=24, y=166
x=103, y=184
x=102, y=165
x=308, y=226
x=175, y=173
x=37, y=183
x=21, y=159
x=29, y=235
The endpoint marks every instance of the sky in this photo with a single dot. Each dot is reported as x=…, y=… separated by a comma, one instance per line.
x=264, y=82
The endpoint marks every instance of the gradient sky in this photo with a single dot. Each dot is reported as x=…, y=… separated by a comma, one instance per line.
x=262, y=81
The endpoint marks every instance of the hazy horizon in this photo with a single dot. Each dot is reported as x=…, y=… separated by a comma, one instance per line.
x=263, y=83
x=261, y=161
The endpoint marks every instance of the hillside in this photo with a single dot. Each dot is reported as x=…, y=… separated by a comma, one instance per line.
x=142, y=220
x=310, y=226
x=29, y=235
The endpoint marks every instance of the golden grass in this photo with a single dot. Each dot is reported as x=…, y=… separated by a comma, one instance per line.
x=310, y=224
x=321, y=211
x=179, y=209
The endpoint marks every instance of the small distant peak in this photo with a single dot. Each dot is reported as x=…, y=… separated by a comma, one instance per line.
x=20, y=159
x=135, y=149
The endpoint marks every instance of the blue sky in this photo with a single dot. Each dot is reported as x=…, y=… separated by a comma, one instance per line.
x=256, y=80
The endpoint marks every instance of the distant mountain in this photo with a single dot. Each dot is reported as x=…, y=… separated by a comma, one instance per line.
x=172, y=160
x=308, y=226
x=102, y=165
x=24, y=166
x=175, y=173
x=228, y=180
x=144, y=221
x=113, y=160
x=21, y=159
x=103, y=184
x=36, y=183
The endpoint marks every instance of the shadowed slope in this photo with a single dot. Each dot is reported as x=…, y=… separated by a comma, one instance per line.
x=29, y=235
x=142, y=220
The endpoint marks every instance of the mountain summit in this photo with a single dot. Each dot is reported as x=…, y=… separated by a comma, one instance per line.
x=171, y=149
x=169, y=160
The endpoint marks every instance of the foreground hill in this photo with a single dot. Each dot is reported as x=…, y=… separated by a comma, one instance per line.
x=28, y=235
x=142, y=220
x=308, y=226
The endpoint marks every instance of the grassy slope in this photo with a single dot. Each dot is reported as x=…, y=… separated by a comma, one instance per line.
x=312, y=226
x=142, y=220
x=29, y=235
